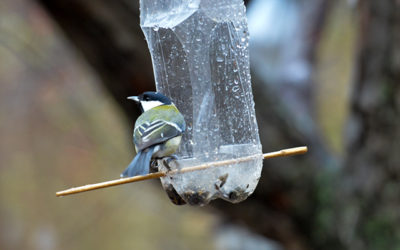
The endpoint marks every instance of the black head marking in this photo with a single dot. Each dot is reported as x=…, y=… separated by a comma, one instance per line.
x=154, y=96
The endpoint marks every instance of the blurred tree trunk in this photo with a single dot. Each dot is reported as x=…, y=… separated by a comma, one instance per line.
x=360, y=207
x=286, y=205
x=371, y=174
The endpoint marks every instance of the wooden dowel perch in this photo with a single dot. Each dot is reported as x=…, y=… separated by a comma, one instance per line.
x=89, y=187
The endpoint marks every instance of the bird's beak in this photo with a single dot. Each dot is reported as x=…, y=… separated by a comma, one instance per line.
x=134, y=98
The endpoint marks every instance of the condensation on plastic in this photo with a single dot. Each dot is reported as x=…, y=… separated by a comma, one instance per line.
x=200, y=56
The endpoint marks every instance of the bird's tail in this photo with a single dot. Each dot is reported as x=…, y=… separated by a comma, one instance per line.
x=140, y=164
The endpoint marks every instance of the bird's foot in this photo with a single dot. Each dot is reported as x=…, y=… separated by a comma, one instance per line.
x=154, y=166
x=167, y=160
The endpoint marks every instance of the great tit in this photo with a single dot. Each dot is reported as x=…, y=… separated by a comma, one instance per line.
x=157, y=132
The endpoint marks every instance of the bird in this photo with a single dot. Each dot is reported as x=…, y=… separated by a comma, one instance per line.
x=157, y=132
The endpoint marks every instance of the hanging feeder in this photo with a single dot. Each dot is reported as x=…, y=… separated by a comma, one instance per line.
x=200, y=58
x=200, y=55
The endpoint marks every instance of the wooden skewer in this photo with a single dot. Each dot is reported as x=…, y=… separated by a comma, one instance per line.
x=89, y=187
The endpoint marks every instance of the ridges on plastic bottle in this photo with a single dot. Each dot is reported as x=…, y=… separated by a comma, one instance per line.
x=200, y=57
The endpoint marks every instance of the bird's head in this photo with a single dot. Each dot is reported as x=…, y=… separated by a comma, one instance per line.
x=149, y=100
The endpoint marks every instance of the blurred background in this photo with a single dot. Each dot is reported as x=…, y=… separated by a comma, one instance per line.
x=325, y=74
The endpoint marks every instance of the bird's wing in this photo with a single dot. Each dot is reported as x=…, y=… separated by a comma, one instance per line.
x=155, y=132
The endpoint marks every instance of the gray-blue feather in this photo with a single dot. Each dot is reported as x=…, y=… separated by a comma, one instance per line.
x=140, y=165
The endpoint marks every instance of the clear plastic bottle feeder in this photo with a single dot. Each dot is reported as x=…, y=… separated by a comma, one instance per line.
x=200, y=57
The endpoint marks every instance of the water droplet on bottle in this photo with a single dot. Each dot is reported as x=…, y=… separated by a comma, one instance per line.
x=220, y=59
x=156, y=28
x=235, y=88
x=193, y=5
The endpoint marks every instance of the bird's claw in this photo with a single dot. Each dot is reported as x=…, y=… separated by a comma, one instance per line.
x=167, y=160
x=153, y=166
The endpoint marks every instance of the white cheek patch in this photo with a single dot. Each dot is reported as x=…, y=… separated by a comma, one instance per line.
x=146, y=105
